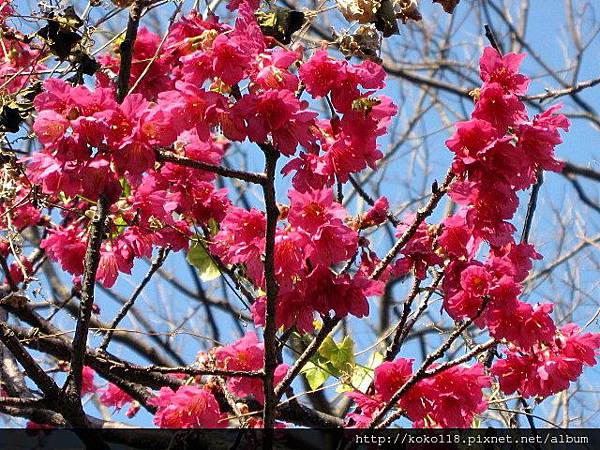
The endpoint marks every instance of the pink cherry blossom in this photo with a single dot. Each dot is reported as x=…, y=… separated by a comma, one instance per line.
x=87, y=381
x=188, y=407
x=503, y=69
x=247, y=354
x=547, y=369
x=113, y=396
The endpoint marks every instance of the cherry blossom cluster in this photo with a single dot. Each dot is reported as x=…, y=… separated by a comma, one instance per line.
x=202, y=405
x=313, y=238
x=247, y=354
x=211, y=85
x=499, y=152
x=449, y=399
x=197, y=404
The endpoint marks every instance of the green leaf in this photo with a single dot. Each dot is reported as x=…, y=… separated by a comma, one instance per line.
x=64, y=198
x=199, y=258
x=362, y=375
x=125, y=186
x=213, y=226
x=340, y=355
x=315, y=375
x=120, y=223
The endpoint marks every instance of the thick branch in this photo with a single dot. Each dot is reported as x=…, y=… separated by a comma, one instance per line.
x=9, y=279
x=126, y=50
x=104, y=364
x=91, y=261
x=270, y=342
x=250, y=177
x=32, y=368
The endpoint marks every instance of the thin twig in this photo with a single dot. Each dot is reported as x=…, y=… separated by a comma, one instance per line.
x=216, y=334
x=422, y=214
x=421, y=372
x=478, y=349
x=531, y=206
x=328, y=325
x=394, y=346
x=587, y=172
x=553, y=94
x=160, y=259
x=581, y=193
x=367, y=198
x=491, y=36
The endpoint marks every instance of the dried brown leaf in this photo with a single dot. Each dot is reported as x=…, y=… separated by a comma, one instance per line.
x=407, y=10
x=448, y=5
